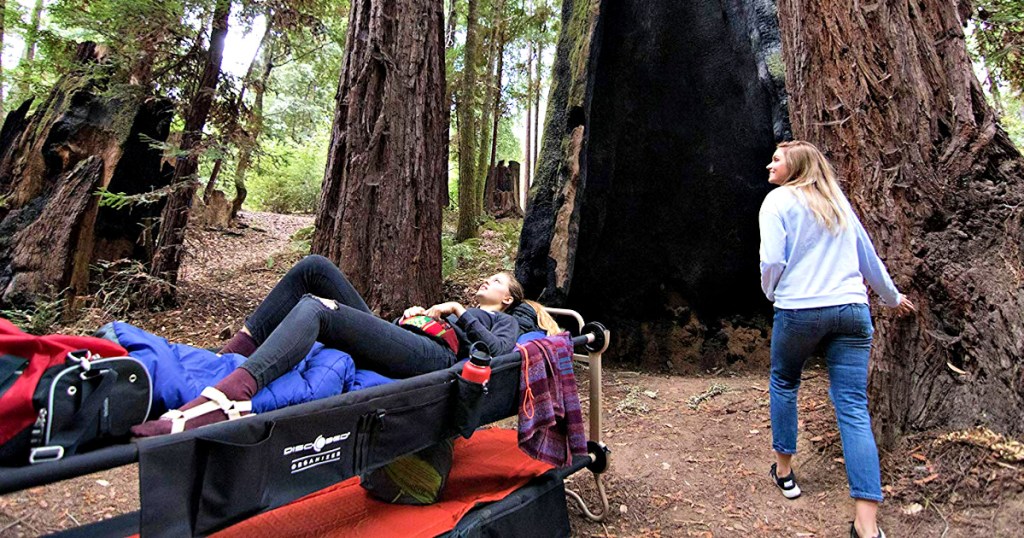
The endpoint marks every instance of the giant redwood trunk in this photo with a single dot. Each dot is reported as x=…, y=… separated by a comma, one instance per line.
x=644, y=209
x=85, y=136
x=886, y=89
x=380, y=206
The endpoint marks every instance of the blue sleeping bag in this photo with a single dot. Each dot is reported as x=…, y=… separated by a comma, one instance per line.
x=180, y=372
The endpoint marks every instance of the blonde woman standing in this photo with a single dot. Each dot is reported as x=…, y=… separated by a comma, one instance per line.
x=815, y=257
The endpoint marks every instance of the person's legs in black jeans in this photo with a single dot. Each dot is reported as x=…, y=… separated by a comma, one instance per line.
x=314, y=275
x=373, y=343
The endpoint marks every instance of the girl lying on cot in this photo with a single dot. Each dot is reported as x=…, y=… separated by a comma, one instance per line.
x=315, y=302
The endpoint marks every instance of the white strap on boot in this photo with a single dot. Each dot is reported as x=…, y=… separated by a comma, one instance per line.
x=218, y=402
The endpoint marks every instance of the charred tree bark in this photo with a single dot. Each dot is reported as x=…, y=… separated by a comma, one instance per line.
x=380, y=208
x=643, y=210
x=888, y=92
x=171, y=240
x=52, y=163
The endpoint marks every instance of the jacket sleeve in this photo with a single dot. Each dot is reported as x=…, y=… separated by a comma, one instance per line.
x=872, y=268
x=500, y=337
x=773, y=247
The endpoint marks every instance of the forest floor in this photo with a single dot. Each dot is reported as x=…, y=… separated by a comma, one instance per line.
x=690, y=455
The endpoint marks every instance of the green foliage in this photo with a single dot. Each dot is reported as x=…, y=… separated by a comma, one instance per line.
x=40, y=316
x=123, y=286
x=120, y=200
x=999, y=39
x=288, y=175
x=455, y=256
x=468, y=261
x=1013, y=118
x=302, y=239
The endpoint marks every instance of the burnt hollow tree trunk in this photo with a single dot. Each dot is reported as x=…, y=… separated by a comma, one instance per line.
x=888, y=92
x=643, y=211
x=170, y=242
x=380, y=206
x=501, y=191
x=51, y=165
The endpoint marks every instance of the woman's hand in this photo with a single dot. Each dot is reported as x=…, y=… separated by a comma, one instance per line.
x=905, y=307
x=443, y=309
x=413, y=311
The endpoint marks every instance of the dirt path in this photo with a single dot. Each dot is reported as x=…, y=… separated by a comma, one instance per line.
x=678, y=469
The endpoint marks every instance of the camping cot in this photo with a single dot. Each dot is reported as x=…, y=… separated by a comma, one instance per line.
x=204, y=480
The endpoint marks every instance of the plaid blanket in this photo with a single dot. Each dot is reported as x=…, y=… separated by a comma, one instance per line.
x=550, y=419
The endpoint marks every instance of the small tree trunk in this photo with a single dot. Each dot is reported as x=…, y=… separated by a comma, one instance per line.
x=466, y=110
x=255, y=129
x=890, y=95
x=212, y=182
x=528, y=154
x=497, y=103
x=174, y=220
x=489, y=110
x=3, y=11
x=536, y=110
x=379, y=217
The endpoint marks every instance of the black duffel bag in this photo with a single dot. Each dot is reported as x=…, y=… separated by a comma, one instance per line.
x=86, y=403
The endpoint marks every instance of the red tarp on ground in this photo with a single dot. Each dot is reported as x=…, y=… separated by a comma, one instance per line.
x=487, y=467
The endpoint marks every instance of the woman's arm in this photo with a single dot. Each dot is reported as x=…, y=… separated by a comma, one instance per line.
x=872, y=268
x=773, y=247
x=500, y=337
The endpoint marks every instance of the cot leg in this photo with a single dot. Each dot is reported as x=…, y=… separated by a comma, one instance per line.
x=602, y=495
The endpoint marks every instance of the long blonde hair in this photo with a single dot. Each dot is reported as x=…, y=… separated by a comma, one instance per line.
x=811, y=174
x=544, y=320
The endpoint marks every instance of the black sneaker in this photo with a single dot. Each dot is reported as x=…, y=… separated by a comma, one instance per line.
x=853, y=532
x=787, y=483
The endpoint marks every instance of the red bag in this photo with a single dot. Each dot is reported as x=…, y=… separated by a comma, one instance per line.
x=36, y=354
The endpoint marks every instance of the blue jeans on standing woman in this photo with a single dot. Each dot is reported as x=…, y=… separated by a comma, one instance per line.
x=844, y=332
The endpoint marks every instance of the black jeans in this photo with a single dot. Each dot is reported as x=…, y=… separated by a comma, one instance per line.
x=291, y=319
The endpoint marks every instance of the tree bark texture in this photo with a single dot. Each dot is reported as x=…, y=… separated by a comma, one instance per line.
x=170, y=241
x=536, y=109
x=466, y=111
x=651, y=174
x=888, y=92
x=488, y=112
x=84, y=137
x=528, y=153
x=380, y=207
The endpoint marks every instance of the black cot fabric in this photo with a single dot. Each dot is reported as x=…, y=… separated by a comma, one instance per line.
x=537, y=509
x=233, y=470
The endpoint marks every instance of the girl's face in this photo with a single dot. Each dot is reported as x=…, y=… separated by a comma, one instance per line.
x=494, y=291
x=778, y=171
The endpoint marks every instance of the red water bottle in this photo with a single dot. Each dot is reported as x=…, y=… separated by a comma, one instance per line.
x=478, y=368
